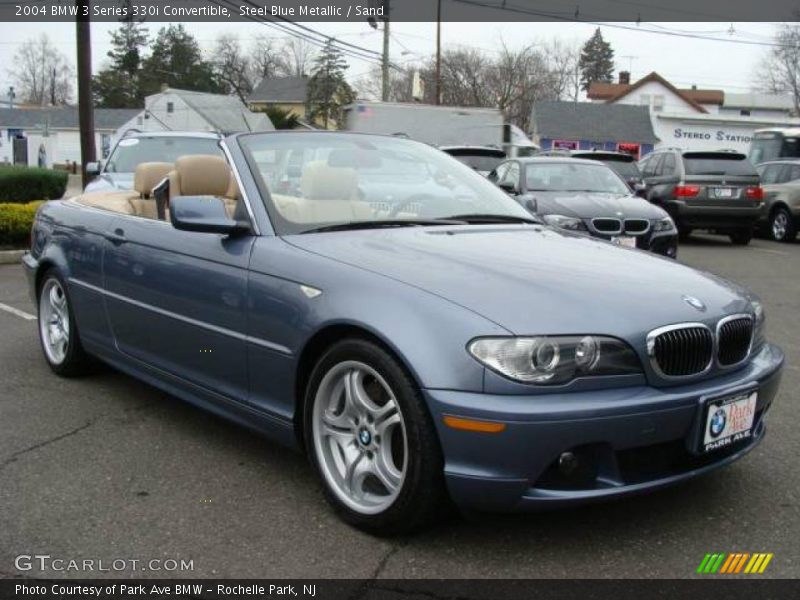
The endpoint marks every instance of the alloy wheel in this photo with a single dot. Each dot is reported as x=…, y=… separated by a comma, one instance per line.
x=54, y=325
x=360, y=437
x=780, y=225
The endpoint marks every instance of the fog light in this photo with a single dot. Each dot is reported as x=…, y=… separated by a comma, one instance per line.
x=567, y=463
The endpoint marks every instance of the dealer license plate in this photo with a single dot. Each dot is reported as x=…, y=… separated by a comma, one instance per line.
x=723, y=192
x=728, y=420
x=625, y=241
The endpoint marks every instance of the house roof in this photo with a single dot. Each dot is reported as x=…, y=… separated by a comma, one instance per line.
x=593, y=122
x=63, y=117
x=226, y=114
x=280, y=89
x=611, y=92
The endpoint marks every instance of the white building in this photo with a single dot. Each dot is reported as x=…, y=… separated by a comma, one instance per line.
x=698, y=119
x=55, y=130
x=183, y=110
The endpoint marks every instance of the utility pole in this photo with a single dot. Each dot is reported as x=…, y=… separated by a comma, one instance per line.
x=83, y=37
x=438, y=82
x=11, y=95
x=385, y=59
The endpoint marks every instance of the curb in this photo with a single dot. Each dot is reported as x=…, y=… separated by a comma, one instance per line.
x=11, y=257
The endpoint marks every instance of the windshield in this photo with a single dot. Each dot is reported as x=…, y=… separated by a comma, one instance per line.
x=771, y=145
x=316, y=180
x=574, y=177
x=709, y=163
x=480, y=161
x=130, y=152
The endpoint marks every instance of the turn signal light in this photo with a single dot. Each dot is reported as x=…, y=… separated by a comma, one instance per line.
x=755, y=193
x=474, y=425
x=686, y=191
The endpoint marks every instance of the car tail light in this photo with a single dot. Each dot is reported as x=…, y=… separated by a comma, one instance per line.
x=755, y=193
x=686, y=191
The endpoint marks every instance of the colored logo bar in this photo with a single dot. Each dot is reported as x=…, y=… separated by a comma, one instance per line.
x=736, y=562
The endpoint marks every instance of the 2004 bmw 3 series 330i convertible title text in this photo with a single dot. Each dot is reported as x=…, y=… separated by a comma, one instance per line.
x=375, y=302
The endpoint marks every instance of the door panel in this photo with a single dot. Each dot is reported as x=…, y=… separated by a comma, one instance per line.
x=176, y=301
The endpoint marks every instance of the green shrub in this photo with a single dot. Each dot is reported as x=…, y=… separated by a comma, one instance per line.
x=16, y=221
x=25, y=184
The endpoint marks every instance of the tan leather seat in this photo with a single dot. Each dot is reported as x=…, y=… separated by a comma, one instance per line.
x=148, y=175
x=329, y=194
x=203, y=175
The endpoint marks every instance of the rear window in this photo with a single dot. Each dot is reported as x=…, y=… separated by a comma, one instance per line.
x=717, y=163
x=479, y=160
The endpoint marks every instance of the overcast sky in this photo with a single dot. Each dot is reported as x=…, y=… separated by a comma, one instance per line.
x=684, y=61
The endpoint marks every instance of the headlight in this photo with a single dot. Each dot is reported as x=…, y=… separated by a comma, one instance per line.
x=562, y=222
x=551, y=360
x=760, y=324
x=665, y=224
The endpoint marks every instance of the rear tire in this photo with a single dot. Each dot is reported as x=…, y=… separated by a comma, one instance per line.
x=58, y=331
x=741, y=237
x=371, y=440
x=781, y=226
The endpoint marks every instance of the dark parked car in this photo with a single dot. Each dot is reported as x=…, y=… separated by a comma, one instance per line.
x=718, y=191
x=116, y=173
x=624, y=164
x=781, y=215
x=443, y=346
x=585, y=196
x=483, y=159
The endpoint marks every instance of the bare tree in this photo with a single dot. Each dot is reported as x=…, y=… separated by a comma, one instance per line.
x=233, y=69
x=563, y=61
x=268, y=58
x=779, y=70
x=299, y=57
x=42, y=73
x=401, y=83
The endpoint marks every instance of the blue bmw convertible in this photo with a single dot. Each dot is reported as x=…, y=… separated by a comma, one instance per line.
x=380, y=306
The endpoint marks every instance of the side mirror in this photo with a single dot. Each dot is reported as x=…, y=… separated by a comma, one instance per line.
x=507, y=187
x=640, y=189
x=529, y=203
x=94, y=168
x=205, y=214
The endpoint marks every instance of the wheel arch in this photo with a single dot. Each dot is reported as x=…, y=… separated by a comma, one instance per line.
x=317, y=345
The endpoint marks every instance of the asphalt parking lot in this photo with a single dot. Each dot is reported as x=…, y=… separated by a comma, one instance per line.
x=106, y=467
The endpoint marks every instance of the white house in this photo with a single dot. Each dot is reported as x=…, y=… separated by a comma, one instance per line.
x=698, y=119
x=183, y=110
x=55, y=130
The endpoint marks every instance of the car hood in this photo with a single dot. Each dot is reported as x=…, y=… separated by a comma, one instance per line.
x=587, y=205
x=111, y=181
x=534, y=279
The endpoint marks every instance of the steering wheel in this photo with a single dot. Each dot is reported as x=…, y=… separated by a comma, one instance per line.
x=422, y=199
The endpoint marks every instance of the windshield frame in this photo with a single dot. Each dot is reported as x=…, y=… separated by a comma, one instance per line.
x=283, y=226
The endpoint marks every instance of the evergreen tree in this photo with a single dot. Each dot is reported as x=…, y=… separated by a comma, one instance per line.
x=117, y=86
x=176, y=60
x=597, y=61
x=328, y=91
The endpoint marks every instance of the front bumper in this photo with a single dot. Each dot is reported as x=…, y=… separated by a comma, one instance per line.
x=633, y=439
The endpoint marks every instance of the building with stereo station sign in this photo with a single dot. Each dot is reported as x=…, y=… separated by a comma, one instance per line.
x=697, y=119
x=651, y=113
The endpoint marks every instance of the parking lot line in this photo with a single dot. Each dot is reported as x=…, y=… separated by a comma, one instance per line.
x=15, y=311
x=771, y=251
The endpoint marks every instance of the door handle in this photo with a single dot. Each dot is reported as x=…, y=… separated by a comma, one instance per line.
x=117, y=237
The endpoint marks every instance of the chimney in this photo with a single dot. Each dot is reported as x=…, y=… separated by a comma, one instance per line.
x=624, y=77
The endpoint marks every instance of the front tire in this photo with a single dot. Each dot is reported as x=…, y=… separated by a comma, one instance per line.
x=58, y=332
x=741, y=237
x=371, y=440
x=781, y=226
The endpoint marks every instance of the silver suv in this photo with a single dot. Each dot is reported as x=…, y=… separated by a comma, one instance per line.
x=717, y=191
x=781, y=215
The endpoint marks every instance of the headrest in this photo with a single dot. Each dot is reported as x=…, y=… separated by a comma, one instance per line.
x=148, y=175
x=202, y=175
x=322, y=182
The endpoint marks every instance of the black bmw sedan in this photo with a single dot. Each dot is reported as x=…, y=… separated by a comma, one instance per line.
x=586, y=196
